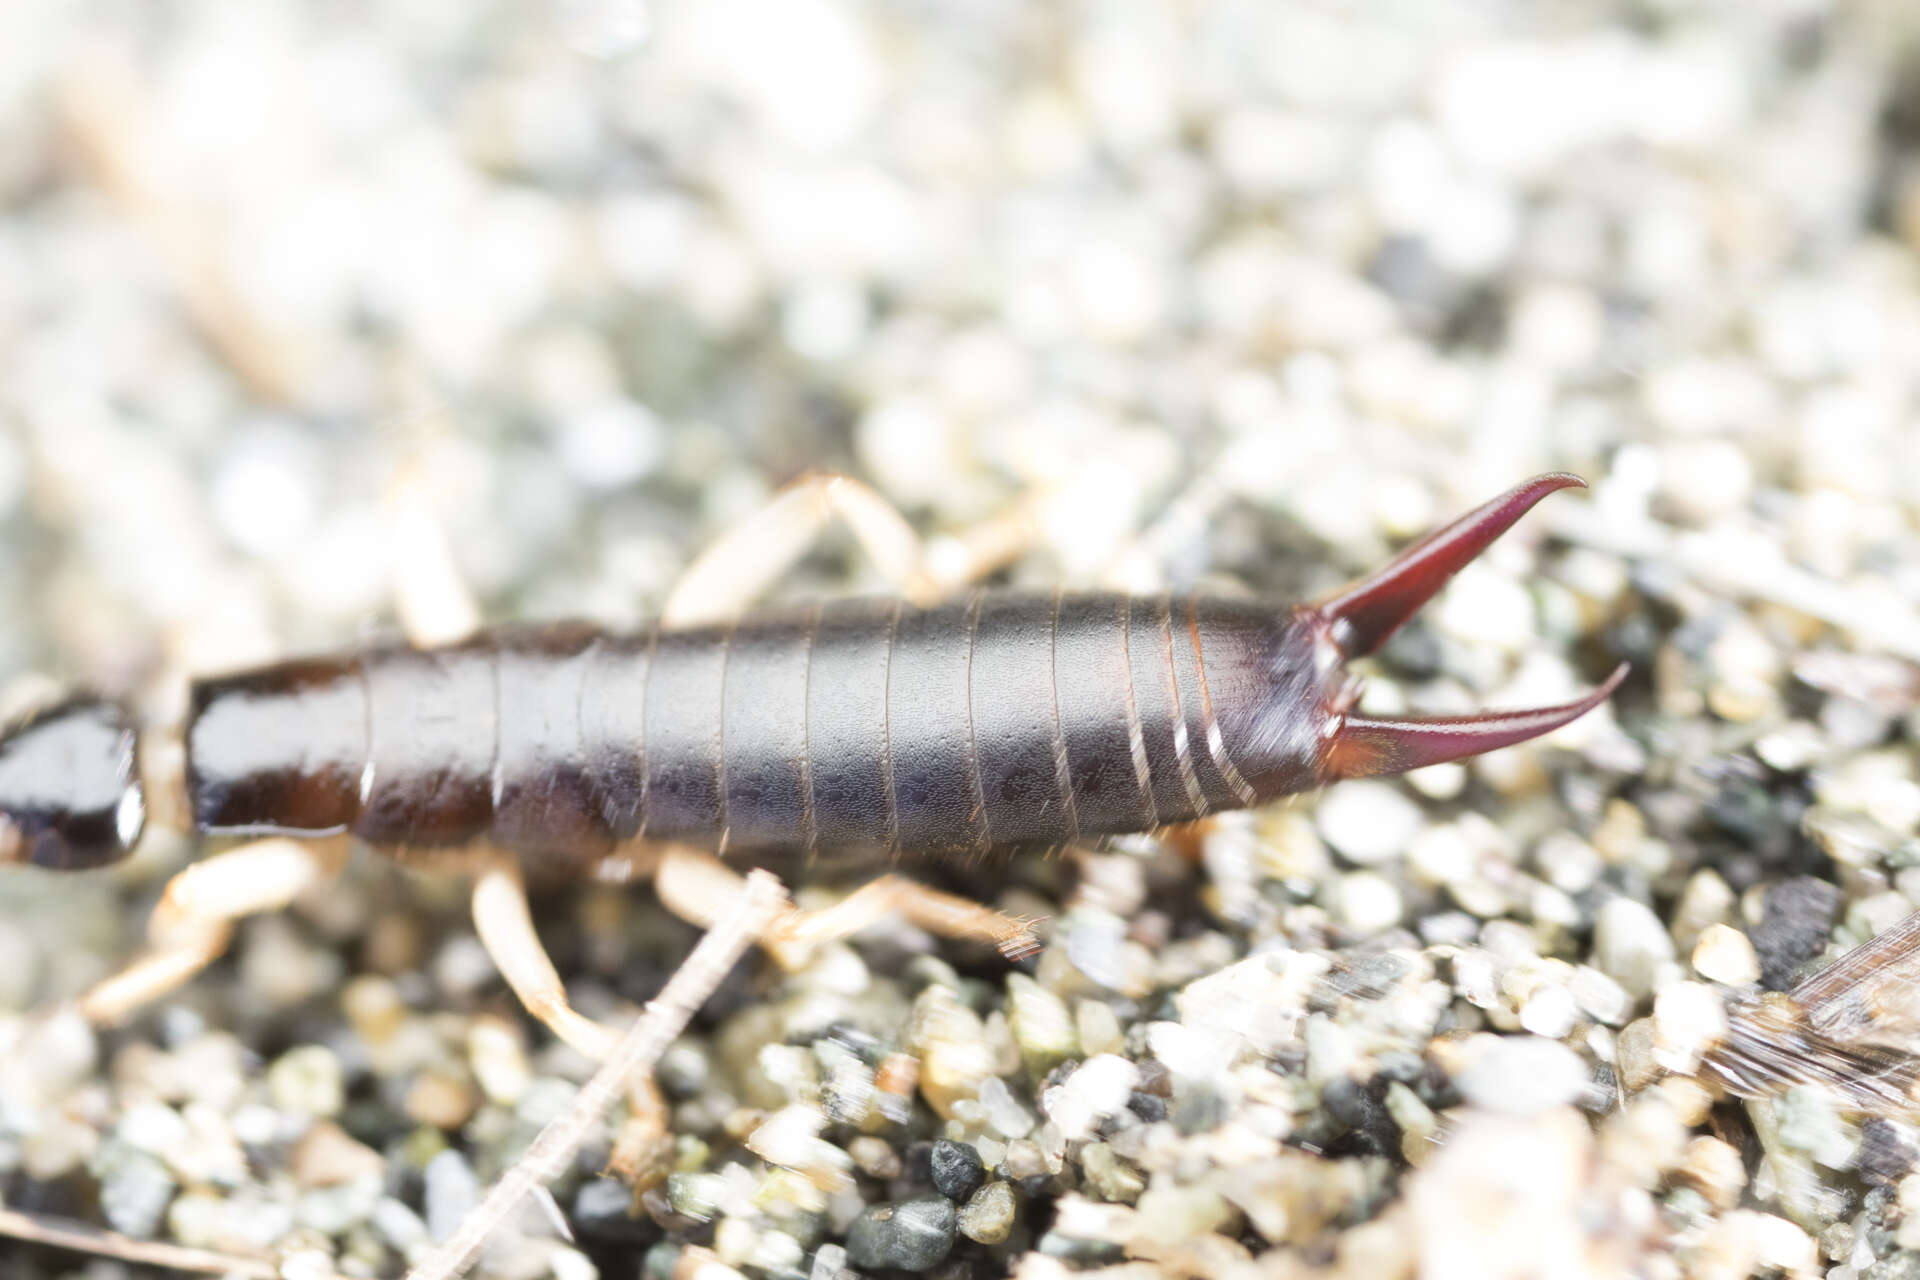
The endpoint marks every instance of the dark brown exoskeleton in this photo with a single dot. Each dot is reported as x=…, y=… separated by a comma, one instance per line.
x=999, y=721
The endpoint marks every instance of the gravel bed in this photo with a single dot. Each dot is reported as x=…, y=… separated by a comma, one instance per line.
x=1237, y=296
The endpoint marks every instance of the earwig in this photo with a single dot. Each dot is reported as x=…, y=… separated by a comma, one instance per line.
x=801, y=740
x=1002, y=721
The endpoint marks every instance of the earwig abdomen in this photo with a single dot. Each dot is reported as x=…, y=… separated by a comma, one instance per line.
x=1094, y=698
x=997, y=721
x=857, y=724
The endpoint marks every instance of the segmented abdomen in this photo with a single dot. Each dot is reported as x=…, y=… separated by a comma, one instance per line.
x=1001, y=720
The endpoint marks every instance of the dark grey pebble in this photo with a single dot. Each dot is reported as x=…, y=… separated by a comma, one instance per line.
x=1150, y=1107
x=1197, y=1108
x=956, y=1169
x=913, y=1235
x=601, y=1213
x=1794, y=927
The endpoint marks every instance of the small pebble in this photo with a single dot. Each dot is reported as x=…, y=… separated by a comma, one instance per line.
x=440, y=1099
x=1793, y=929
x=402, y=1229
x=1723, y=954
x=913, y=1235
x=1003, y=1111
x=1522, y=1074
x=1169, y=1213
x=1042, y=1026
x=1705, y=901
x=1098, y=1027
x=988, y=1217
x=497, y=1052
x=1098, y=1088
x=451, y=1191
x=1630, y=944
x=1108, y=1176
x=1551, y=1011
x=1367, y=821
x=1366, y=902
x=307, y=1080
x=325, y=1156
x=1689, y=1018
x=956, y=1169
x=1714, y=1169
x=135, y=1189
x=696, y=1195
x=829, y=1261
x=875, y=1156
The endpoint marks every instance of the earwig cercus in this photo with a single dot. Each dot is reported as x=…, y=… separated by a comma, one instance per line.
x=998, y=721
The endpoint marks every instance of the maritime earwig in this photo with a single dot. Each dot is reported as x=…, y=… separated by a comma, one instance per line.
x=996, y=722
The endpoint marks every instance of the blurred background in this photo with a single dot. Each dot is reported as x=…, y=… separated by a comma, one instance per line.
x=1228, y=294
x=592, y=277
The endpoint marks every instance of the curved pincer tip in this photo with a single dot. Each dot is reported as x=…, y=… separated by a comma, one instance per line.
x=1363, y=615
x=1363, y=747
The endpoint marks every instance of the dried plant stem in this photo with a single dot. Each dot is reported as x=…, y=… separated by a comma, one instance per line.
x=58, y=1234
x=639, y=1049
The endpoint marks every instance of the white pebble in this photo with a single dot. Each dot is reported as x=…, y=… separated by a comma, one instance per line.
x=1484, y=606
x=152, y=1127
x=1099, y=1088
x=1630, y=944
x=825, y=321
x=1724, y=954
x=1550, y=1011
x=1366, y=902
x=1523, y=1074
x=450, y=1191
x=1366, y=821
x=1569, y=863
x=1600, y=997
x=1689, y=1018
x=911, y=448
x=265, y=490
x=612, y=443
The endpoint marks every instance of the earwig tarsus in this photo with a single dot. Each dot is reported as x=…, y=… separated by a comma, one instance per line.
x=996, y=722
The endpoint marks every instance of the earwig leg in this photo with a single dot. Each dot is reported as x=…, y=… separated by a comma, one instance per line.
x=945, y=914
x=194, y=921
x=505, y=925
x=435, y=604
x=746, y=559
x=696, y=886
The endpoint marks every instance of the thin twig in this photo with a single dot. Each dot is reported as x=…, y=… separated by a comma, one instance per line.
x=639, y=1049
x=60, y=1234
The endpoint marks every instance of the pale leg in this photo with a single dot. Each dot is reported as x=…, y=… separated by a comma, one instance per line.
x=435, y=604
x=505, y=925
x=697, y=886
x=194, y=921
x=736, y=568
x=733, y=571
